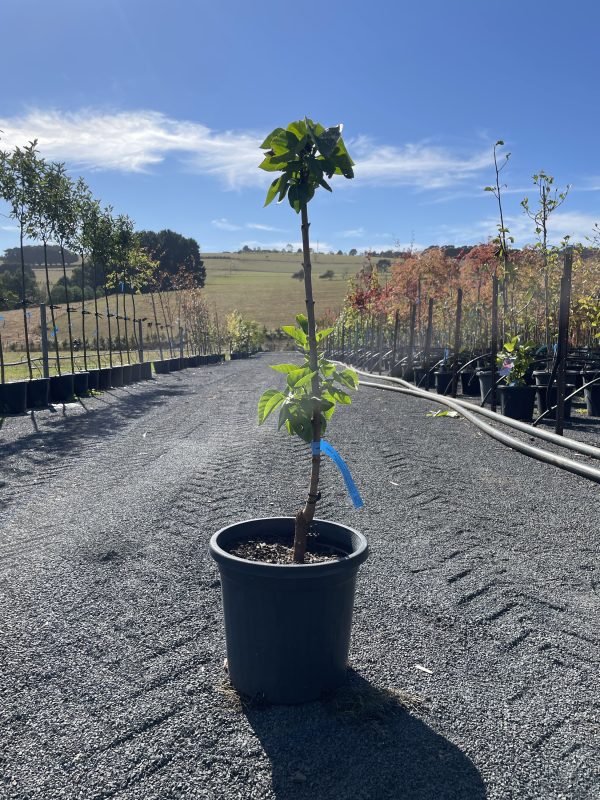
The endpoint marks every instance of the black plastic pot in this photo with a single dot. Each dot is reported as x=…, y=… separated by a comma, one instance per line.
x=214, y=358
x=37, y=392
x=81, y=384
x=517, y=402
x=146, y=371
x=548, y=394
x=442, y=382
x=13, y=397
x=287, y=627
x=175, y=364
x=485, y=384
x=127, y=374
x=423, y=378
x=94, y=379
x=116, y=377
x=162, y=367
x=104, y=378
x=592, y=394
x=136, y=373
x=61, y=388
x=470, y=383
x=408, y=373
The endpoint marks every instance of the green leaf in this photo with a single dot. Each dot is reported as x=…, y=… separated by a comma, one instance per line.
x=295, y=333
x=320, y=335
x=269, y=401
x=266, y=145
x=300, y=378
x=348, y=377
x=285, y=368
x=273, y=189
x=268, y=165
x=302, y=321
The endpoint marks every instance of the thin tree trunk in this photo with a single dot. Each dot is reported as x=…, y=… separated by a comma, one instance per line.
x=108, y=316
x=156, y=326
x=64, y=270
x=24, y=304
x=83, y=312
x=305, y=516
x=51, y=304
x=97, y=315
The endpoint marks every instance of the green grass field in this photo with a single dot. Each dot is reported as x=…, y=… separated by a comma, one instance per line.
x=259, y=285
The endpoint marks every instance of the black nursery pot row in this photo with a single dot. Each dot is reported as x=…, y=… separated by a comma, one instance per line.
x=167, y=365
x=20, y=396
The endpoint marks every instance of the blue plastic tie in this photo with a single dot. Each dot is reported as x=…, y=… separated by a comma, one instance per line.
x=324, y=447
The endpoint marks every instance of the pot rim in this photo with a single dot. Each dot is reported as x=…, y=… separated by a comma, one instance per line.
x=351, y=561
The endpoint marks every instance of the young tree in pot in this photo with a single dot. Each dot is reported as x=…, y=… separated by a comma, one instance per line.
x=288, y=622
x=305, y=153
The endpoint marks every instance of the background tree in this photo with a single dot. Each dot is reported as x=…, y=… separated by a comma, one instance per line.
x=549, y=199
x=18, y=180
x=174, y=253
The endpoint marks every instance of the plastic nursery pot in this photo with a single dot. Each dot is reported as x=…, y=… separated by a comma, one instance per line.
x=517, y=402
x=485, y=384
x=116, y=377
x=93, y=379
x=104, y=378
x=174, y=364
x=127, y=374
x=136, y=373
x=287, y=627
x=215, y=358
x=548, y=394
x=146, y=371
x=423, y=378
x=408, y=373
x=13, y=397
x=37, y=392
x=61, y=389
x=81, y=384
x=470, y=383
x=442, y=382
x=162, y=367
x=592, y=394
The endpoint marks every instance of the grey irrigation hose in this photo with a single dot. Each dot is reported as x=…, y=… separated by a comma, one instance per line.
x=554, y=438
x=541, y=455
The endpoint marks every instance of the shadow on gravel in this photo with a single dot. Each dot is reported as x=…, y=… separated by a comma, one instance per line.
x=63, y=432
x=361, y=743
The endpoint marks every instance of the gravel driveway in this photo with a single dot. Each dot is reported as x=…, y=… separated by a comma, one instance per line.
x=476, y=648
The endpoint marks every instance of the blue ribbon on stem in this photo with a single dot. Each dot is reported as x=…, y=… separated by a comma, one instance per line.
x=333, y=454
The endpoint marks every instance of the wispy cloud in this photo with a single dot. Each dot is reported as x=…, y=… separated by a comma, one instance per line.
x=223, y=224
x=9, y=228
x=134, y=141
x=352, y=233
x=137, y=141
x=578, y=225
x=421, y=165
x=258, y=227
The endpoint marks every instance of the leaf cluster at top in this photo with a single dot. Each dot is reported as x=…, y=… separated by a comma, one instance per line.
x=306, y=153
x=296, y=403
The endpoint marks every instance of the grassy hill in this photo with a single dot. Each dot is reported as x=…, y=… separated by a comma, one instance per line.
x=259, y=285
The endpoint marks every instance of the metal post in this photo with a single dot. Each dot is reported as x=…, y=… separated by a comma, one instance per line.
x=44, y=334
x=494, y=347
x=181, y=342
x=395, y=345
x=563, y=338
x=140, y=341
x=456, y=340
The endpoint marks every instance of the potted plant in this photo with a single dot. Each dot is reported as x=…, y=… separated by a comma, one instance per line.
x=514, y=362
x=287, y=623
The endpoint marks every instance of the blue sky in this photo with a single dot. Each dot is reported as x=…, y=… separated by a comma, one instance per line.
x=161, y=107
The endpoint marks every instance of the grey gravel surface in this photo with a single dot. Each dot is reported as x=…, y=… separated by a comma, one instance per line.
x=483, y=570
